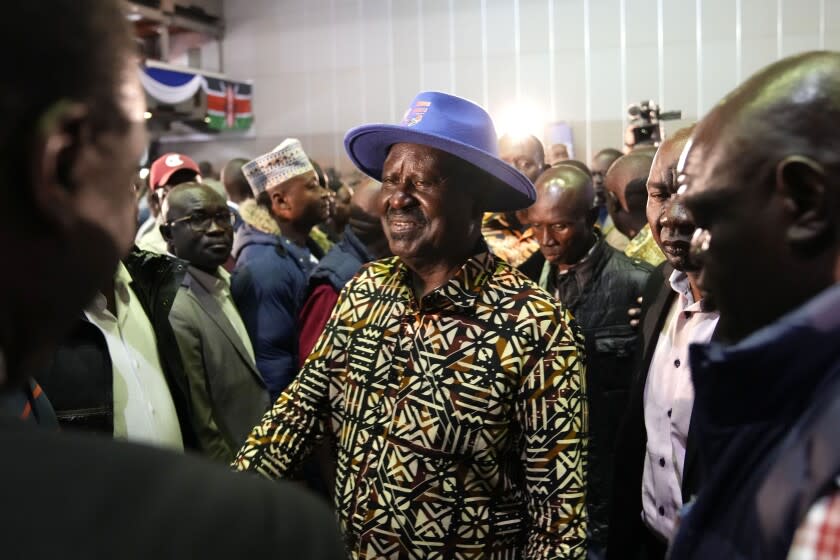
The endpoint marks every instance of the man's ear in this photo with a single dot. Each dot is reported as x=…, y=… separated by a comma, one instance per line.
x=279, y=202
x=801, y=182
x=62, y=135
x=166, y=231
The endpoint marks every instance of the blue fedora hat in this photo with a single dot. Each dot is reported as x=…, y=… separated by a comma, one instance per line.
x=455, y=126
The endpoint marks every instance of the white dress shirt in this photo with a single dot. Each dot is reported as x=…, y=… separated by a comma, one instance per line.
x=218, y=285
x=143, y=406
x=668, y=401
x=153, y=240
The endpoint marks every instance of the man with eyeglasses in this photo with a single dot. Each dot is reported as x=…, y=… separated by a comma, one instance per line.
x=657, y=440
x=167, y=172
x=598, y=283
x=227, y=393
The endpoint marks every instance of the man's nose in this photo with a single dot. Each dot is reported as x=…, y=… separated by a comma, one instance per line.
x=544, y=237
x=215, y=228
x=676, y=217
x=401, y=198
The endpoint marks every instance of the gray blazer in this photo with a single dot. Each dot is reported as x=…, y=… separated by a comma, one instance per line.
x=227, y=394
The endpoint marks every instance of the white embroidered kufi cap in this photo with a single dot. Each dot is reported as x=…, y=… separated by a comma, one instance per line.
x=286, y=161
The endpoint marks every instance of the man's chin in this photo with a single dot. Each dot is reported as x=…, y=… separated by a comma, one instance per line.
x=680, y=263
x=552, y=258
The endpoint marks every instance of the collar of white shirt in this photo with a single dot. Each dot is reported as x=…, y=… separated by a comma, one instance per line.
x=122, y=285
x=680, y=284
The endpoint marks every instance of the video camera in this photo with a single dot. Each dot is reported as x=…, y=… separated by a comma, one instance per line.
x=646, y=123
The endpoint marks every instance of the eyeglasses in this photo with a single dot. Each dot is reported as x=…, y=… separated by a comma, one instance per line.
x=700, y=243
x=200, y=223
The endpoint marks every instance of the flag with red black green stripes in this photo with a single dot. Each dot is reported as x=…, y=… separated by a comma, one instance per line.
x=228, y=104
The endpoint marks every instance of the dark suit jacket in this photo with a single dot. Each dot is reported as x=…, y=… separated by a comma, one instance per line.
x=71, y=495
x=227, y=393
x=627, y=530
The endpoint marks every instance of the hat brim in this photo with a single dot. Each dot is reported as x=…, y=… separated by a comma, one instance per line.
x=506, y=189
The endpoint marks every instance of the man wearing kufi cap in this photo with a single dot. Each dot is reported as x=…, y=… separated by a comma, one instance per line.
x=274, y=256
x=451, y=384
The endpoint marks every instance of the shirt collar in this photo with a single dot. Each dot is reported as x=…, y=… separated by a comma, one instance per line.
x=122, y=295
x=459, y=291
x=218, y=282
x=679, y=283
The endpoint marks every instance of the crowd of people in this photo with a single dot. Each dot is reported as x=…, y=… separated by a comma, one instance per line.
x=475, y=347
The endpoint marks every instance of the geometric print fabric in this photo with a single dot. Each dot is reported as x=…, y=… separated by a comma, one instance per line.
x=459, y=421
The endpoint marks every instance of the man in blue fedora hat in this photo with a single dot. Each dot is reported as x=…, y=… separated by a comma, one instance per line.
x=451, y=385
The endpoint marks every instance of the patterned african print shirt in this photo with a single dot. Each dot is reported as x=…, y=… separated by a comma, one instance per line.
x=507, y=242
x=644, y=248
x=459, y=420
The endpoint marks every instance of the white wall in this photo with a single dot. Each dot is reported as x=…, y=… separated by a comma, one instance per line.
x=323, y=66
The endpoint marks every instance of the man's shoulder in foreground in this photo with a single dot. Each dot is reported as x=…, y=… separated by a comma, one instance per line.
x=74, y=496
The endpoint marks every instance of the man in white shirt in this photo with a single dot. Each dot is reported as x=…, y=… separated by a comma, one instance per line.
x=655, y=442
x=227, y=393
x=119, y=372
x=143, y=407
x=73, y=108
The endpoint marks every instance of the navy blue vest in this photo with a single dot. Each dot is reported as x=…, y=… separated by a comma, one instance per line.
x=767, y=415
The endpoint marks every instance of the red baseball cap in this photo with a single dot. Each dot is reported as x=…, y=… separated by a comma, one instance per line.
x=167, y=164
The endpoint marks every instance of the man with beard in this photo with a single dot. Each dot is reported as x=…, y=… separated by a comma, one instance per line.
x=226, y=392
x=656, y=443
x=275, y=257
x=73, y=109
x=598, y=284
x=760, y=178
x=452, y=384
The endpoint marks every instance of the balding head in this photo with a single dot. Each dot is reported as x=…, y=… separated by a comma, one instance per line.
x=762, y=176
x=236, y=185
x=564, y=215
x=569, y=183
x=626, y=192
x=602, y=161
x=525, y=153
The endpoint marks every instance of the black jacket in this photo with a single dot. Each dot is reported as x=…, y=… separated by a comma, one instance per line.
x=79, y=378
x=70, y=495
x=626, y=527
x=612, y=283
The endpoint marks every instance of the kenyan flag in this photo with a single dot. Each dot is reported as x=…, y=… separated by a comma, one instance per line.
x=228, y=104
